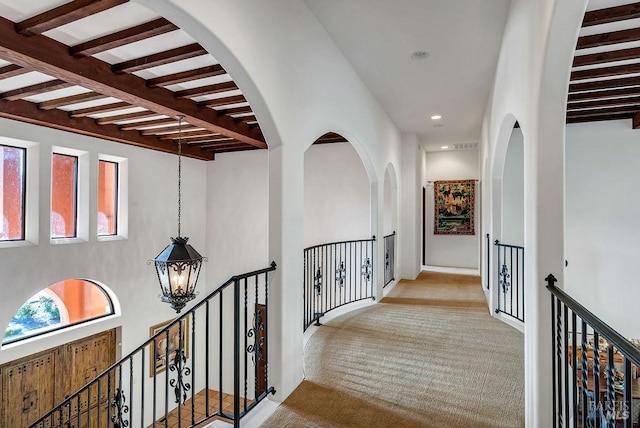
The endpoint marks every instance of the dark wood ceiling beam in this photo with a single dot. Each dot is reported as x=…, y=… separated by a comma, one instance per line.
x=124, y=37
x=64, y=14
x=201, y=140
x=242, y=148
x=206, y=90
x=170, y=130
x=636, y=121
x=618, y=93
x=51, y=57
x=235, y=110
x=222, y=145
x=155, y=123
x=26, y=111
x=105, y=108
x=189, y=136
x=109, y=120
x=596, y=73
x=611, y=14
x=160, y=58
x=604, y=111
x=12, y=70
x=219, y=102
x=604, y=84
x=246, y=119
x=72, y=99
x=39, y=88
x=612, y=102
x=605, y=39
x=186, y=76
x=606, y=57
x=604, y=117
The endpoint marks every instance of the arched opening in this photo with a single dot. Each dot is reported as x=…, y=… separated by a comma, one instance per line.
x=61, y=305
x=339, y=255
x=390, y=218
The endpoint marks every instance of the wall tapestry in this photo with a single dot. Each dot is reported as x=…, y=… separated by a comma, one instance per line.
x=454, y=205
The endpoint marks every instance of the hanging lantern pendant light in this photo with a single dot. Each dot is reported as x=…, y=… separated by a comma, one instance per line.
x=178, y=265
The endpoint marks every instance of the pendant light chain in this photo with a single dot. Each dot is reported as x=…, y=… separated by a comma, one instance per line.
x=179, y=169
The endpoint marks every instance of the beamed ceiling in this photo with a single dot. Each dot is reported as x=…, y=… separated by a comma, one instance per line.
x=605, y=78
x=112, y=69
x=76, y=68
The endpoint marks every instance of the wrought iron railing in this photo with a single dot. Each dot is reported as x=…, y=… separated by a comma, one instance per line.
x=336, y=274
x=510, y=276
x=595, y=369
x=389, y=258
x=209, y=362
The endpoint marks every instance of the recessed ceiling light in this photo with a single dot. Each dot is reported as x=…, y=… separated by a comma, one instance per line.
x=436, y=117
x=444, y=147
x=419, y=55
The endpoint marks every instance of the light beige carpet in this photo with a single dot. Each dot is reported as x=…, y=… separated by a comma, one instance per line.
x=428, y=355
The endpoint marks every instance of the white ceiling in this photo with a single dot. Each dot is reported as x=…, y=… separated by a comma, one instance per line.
x=463, y=39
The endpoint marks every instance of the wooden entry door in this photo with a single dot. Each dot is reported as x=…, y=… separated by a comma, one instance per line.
x=33, y=385
x=261, y=344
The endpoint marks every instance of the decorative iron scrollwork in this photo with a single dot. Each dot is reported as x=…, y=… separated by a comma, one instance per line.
x=119, y=409
x=317, y=282
x=341, y=274
x=180, y=387
x=366, y=270
x=257, y=346
x=504, y=278
x=386, y=260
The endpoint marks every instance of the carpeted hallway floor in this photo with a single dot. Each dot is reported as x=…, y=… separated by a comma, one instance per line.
x=428, y=355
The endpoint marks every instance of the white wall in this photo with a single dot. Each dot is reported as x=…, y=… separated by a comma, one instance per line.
x=602, y=228
x=451, y=250
x=513, y=192
x=237, y=220
x=119, y=264
x=337, y=196
x=390, y=204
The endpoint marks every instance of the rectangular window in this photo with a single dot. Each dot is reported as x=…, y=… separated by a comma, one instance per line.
x=107, y=198
x=12, y=192
x=64, y=196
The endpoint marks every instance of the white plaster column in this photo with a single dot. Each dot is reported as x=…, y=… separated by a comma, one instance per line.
x=410, y=208
x=286, y=215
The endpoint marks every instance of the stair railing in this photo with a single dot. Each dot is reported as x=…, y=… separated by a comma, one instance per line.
x=211, y=362
x=389, y=258
x=336, y=274
x=595, y=369
x=510, y=276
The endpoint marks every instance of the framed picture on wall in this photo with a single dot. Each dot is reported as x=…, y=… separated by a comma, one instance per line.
x=454, y=207
x=166, y=344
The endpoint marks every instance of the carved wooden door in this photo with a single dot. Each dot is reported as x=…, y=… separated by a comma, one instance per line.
x=33, y=385
x=261, y=346
x=27, y=389
x=81, y=362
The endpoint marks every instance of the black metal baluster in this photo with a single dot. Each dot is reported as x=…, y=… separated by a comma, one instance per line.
x=142, y=382
x=193, y=366
x=565, y=358
x=206, y=357
x=166, y=380
x=236, y=353
x=244, y=328
x=627, y=395
x=610, y=405
x=220, y=359
x=523, y=279
x=596, y=377
x=99, y=400
x=131, y=388
x=585, y=374
x=517, y=287
x=255, y=363
x=266, y=324
x=574, y=366
x=559, y=357
x=512, y=285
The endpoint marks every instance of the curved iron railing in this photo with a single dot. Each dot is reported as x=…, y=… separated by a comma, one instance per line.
x=209, y=362
x=510, y=272
x=389, y=258
x=595, y=369
x=336, y=274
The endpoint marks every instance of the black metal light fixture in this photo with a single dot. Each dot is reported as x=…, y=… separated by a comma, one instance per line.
x=178, y=265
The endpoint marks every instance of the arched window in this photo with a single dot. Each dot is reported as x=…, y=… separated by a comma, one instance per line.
x=60, y=305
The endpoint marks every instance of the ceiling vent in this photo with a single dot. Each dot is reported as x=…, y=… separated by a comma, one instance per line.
x=465, y=146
